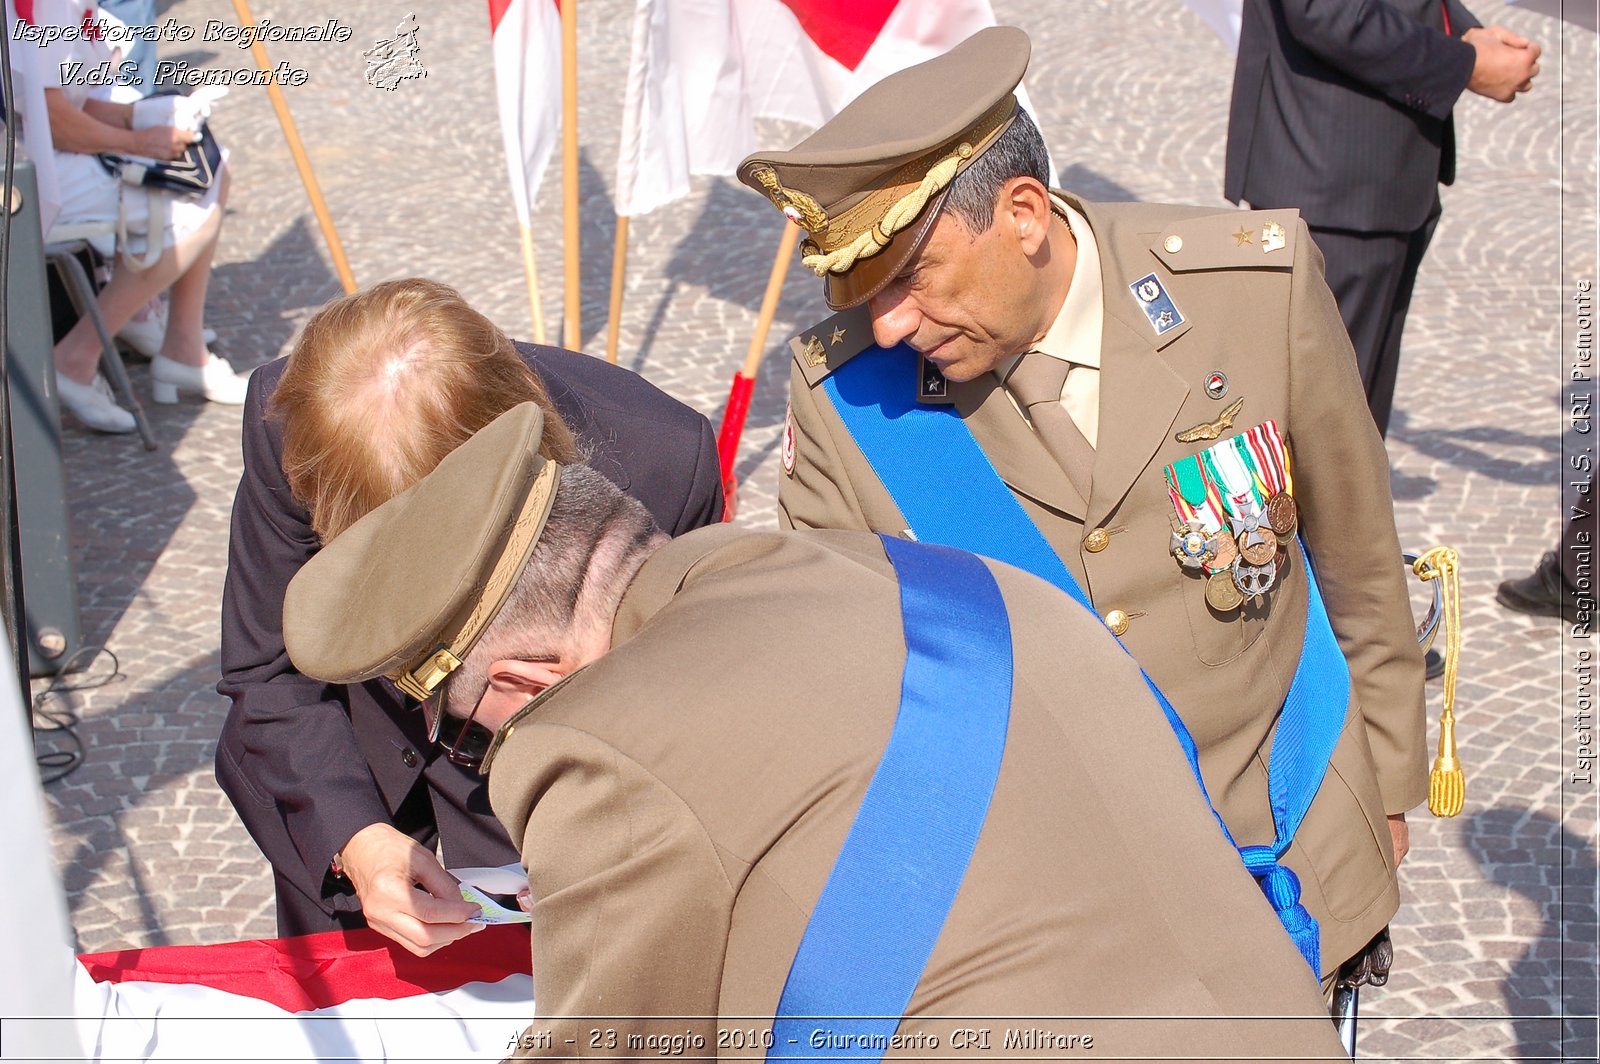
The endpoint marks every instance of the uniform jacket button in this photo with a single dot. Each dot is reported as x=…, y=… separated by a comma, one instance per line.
x=1117, y=621
x=409, y=758
x=1097, y=541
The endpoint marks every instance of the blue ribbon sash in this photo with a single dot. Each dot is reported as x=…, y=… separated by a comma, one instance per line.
x=891, y=888
x=969, y=506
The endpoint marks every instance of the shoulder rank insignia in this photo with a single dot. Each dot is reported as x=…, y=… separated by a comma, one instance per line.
x=1211, y=430
x=1273, y=237
x=1156, y=303
x=831, y=343
x=1228, y=240
x=815, y=354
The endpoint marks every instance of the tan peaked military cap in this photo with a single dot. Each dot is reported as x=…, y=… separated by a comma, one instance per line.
x=868, y=185
x=406, y=591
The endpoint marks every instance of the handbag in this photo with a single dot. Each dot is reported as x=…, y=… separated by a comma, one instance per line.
x=191, y=174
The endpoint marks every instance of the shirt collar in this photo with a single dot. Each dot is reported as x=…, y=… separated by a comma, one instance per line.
x=1075, y=333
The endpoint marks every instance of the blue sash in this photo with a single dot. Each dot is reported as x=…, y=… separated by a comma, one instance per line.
x=891, y=888
x=958, y=499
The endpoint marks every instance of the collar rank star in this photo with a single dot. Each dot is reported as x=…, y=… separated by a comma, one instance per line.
x=1157, y=304
x=931, y=384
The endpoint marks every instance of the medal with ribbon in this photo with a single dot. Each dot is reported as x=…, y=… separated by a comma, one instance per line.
x=1235, y=515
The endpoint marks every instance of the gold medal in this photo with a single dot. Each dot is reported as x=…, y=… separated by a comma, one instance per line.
x=1222, y=594
x=1227, y=551
x=1282, y=513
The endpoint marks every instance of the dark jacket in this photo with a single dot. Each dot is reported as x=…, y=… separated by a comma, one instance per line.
x=307, y=765
x=1342, y=109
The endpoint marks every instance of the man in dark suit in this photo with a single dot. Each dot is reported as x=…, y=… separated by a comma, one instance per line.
x=1343, y=110
x=329, y=777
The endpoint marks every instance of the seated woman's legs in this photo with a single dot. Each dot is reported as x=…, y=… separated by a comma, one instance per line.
x=184, y=361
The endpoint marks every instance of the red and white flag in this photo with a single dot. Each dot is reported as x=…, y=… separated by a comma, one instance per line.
x=703, y=71
x=527, y=77
x=335, y=996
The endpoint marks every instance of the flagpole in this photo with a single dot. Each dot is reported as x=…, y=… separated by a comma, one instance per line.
x=572, y=319
x=744, y=382
x=619, y=271
x=530, y=270
x=258, y=52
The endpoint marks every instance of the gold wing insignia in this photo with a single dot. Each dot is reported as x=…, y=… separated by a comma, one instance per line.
x=795, y=205
x=1211, y=430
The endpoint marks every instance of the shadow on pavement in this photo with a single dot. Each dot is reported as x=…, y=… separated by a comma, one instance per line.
x=291, y=275
x=1550, y=991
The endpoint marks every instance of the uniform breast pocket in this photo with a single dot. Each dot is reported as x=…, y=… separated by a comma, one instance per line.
x=1221, y=635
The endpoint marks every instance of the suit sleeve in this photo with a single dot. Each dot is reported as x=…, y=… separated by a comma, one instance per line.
x=288, y=751
x=1377, y=45
x=631, y=908
x=703, y=504
x=1341, y=481
x=657, y=449
x=819, y=493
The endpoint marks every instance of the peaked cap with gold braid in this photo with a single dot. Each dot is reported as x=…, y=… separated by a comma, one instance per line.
x=407, y=590
x=868, y=185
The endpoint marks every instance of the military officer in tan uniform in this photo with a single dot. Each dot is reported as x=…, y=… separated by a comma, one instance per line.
x=1145, y=380
x=679, y=735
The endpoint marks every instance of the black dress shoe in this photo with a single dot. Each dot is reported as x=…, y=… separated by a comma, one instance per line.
x=1544, y=593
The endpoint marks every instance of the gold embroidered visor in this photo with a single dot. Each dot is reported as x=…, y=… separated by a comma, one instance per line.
x=869, y=184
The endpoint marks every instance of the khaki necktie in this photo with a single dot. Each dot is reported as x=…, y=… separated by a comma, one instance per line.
x=1036, y=382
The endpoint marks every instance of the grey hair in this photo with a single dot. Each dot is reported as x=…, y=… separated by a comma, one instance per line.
x=1018, y=152
x=591, y=548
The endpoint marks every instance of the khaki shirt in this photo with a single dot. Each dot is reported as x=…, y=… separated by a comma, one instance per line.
x=1074, y=335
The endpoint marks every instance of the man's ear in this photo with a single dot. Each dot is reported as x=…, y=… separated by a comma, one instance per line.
x=1026, y=203
x=524, y=678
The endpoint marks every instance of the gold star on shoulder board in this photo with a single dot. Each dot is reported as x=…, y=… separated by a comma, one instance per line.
x=1210, y=430
x=838, y=338
x=1243, y=236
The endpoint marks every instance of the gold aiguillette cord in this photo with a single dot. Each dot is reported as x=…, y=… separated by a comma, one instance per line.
x=1447, y=783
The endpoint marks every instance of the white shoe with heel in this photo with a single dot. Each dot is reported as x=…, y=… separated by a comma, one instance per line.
x=215, y=380
x=92, y=405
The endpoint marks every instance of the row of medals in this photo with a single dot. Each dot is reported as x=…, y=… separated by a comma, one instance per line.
x=1241, y=563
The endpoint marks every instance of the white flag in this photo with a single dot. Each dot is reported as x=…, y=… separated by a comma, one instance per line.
x=527, y=76
x=703, y=70
x=1224, y=17
x=36, y=967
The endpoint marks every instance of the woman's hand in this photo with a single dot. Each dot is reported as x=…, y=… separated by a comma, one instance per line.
x=161, y=142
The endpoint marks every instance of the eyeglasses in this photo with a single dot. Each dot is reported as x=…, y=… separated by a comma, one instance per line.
x=464, y=740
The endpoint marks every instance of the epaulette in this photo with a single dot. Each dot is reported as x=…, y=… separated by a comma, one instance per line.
x=1229, y=240
x=823, y=348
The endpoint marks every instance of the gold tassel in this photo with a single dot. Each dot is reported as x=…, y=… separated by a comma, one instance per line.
x=1447, y=783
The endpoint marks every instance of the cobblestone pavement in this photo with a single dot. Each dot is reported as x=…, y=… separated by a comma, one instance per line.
x=1496, y=939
